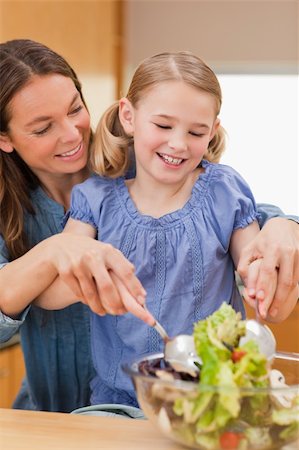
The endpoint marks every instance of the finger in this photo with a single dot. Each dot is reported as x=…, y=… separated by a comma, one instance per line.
x=131, y=304
x=286, y=279
x=249, y=300
x=247, y=256
x=125, y=271
x=72, y=282
x=108, y=293
x=268, y=295
x=251, y=277
x=90, y=294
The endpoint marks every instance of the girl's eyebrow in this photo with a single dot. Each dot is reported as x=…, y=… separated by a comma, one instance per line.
x=45, y=118
x=195, y=124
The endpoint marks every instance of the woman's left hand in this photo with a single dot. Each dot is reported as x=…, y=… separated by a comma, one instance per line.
x=278, y=246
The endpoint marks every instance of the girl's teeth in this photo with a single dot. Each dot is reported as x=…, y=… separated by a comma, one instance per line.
x=171, y=160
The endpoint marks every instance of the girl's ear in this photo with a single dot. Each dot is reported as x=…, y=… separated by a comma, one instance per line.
x=126, y=115
x=215, y=128
x=5, y=144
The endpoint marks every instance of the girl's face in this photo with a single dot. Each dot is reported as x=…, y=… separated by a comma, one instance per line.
x=49, y=127
x=172, y=126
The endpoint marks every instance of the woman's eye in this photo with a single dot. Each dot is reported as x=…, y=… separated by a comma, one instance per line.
x=42, y=131
x=76, y=110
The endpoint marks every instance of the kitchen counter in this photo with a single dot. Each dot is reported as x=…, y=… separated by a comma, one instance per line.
x=31, y=430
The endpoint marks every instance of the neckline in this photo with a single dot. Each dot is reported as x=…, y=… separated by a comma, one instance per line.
x=173, y=217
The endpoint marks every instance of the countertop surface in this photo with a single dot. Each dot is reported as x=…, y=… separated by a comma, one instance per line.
x=13, y=341
x=31, y=430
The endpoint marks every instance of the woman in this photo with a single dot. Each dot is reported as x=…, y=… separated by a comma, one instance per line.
x=44, y=141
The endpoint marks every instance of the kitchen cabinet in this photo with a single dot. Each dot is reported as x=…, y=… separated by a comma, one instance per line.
x=12, y=371
x=286, y=332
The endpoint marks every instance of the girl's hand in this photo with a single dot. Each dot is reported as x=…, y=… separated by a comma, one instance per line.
x=278, y=246
x=262, y=304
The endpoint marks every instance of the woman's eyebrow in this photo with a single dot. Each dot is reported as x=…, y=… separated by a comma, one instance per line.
x=45, y=118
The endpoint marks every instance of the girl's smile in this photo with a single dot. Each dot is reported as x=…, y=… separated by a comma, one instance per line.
x=172, y=125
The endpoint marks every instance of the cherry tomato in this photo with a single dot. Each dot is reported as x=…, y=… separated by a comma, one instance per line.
x=230, y=440
x=237, y=355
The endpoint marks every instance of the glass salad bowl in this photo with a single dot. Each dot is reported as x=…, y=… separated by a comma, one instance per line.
x=221, y=417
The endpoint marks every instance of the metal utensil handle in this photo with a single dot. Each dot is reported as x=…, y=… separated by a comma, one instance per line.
x=158, y=327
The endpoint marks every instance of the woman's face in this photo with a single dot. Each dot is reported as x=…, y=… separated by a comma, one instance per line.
x=49, y=127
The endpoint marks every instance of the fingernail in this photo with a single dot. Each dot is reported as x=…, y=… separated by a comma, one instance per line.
x=273, y=312
x=141, y=300
x=251, y=292
x=260, y=295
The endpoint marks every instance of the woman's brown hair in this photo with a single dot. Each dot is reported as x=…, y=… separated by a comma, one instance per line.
x=20, y=60
x=110, y=150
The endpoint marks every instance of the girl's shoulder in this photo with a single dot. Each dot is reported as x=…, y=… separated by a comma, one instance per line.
x=217, y=175
x=96, y=181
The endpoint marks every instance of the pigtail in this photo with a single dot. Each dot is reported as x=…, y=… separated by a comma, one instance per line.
x=216, y=146
x=110, y=148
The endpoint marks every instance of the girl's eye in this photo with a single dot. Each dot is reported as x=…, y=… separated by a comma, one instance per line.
x=196, y=134
x=42, y=131
x=164, y=127
x=76, y=110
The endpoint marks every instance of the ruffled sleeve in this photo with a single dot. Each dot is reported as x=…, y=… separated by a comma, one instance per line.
x=229, y=202
x=80, y=208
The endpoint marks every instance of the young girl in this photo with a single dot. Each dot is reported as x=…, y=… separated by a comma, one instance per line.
x=181, y=221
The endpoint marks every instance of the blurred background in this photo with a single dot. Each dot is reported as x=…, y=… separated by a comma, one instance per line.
x=251, y=45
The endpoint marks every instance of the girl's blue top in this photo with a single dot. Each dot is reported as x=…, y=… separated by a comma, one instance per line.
x=182, y=259
x=56, y=344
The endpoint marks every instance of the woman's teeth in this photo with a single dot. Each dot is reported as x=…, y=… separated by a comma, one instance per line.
x=170, y=159
x=71, y=152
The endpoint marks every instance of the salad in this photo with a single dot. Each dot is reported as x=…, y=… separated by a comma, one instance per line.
x=237, y=402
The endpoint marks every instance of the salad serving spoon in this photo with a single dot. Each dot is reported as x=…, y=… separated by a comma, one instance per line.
x=261, y=334
x=179, y=351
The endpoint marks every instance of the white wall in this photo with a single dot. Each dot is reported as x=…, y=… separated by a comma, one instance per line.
x=260, y=114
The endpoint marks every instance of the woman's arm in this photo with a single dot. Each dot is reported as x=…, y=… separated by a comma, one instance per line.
x=278, y=246
x=75, y=262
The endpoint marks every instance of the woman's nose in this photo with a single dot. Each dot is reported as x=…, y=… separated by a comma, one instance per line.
x=69, y=132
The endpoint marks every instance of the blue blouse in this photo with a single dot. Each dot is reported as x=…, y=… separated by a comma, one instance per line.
x=56, y=344
x=182, y=259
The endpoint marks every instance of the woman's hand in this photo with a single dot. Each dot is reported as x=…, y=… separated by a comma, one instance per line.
x=96, y=274
x=278, y=246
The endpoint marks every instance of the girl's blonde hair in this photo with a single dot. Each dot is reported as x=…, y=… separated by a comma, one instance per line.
x=110, y=149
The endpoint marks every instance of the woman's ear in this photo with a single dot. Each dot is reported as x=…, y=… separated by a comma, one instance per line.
x=5, y=144
x=126, y=115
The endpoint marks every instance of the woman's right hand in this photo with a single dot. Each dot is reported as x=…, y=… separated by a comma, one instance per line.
x=98, y=275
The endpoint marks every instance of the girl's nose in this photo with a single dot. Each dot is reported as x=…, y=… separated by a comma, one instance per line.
x=177, y=142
